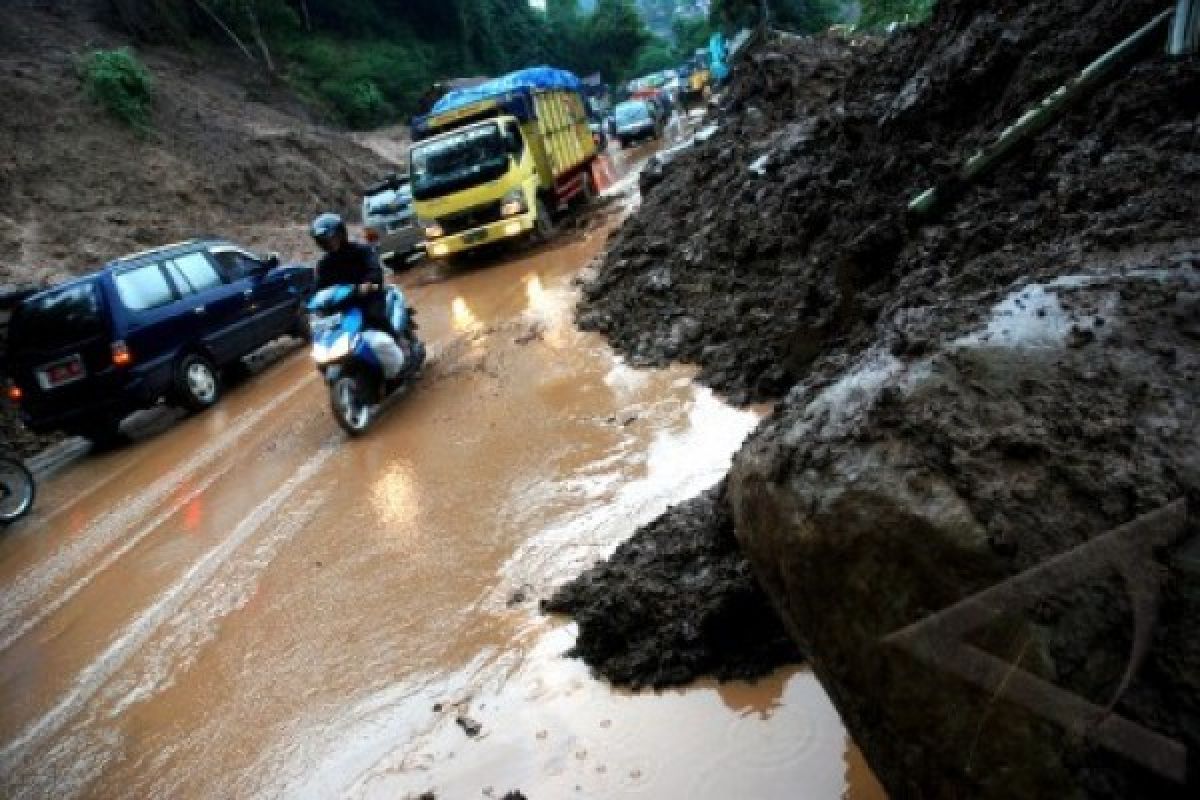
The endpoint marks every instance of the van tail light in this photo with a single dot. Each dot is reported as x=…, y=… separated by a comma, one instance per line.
x=14, y=393
x=121, y=355
x=371, y=234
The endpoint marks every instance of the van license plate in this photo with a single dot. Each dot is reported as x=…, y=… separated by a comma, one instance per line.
x=475, y=236
x=60, y=373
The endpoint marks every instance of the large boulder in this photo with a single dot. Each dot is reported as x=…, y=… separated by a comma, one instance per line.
x=909, y=484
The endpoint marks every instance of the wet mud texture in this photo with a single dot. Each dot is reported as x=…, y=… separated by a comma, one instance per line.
x=911, y=460
x=912, y=483
x=760, y=278
x=676, y=602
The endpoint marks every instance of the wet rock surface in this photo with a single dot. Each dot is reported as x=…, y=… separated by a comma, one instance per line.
x=676, y=602
x=912, y=483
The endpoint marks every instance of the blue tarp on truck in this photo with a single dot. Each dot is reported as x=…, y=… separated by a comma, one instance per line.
x=532, y=78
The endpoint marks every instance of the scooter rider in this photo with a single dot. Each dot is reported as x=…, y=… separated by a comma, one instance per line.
x=351, y=263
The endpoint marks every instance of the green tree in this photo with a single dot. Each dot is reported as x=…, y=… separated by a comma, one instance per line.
x=689, y=34
x=615, y=35
x=656, y=56
x=804, y=16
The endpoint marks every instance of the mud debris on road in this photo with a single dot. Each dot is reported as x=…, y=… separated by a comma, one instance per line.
x=676, y=602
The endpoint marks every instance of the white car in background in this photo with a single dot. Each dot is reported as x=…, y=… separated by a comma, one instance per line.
x=388, y=220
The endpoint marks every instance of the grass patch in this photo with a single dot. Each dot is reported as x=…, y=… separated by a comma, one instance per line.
x=121, y=85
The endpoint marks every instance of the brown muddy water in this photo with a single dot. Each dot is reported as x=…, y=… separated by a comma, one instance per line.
x=248, y=604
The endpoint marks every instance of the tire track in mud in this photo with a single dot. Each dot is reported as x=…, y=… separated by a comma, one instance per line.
x=33, y=587
x=170, y=604
x=78, y=759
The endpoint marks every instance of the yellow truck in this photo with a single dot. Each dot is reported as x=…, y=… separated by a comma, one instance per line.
x=497, y=161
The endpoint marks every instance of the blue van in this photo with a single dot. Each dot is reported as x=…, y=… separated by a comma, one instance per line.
x=158, y=325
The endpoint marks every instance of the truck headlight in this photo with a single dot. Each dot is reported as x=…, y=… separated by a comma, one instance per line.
x=432, y=229
x=513, y=203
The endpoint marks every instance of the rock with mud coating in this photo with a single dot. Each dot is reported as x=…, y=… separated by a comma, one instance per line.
x=909, y=485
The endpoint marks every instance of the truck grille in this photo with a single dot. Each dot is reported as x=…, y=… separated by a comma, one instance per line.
x=471, y=218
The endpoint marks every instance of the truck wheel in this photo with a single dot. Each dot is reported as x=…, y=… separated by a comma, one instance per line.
x=197, y=383
x=543, y=230
x=587, y=192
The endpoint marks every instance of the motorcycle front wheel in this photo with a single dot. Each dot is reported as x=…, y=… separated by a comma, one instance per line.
x=350, y=398
x=17, y=490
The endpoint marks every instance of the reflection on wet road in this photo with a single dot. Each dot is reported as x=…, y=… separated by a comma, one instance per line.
x=249, y=604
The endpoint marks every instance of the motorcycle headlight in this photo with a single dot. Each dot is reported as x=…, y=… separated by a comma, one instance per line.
x=513, y=203
x=325, y=353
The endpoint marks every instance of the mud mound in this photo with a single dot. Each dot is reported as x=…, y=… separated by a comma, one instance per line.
x=782, y=239
x=910, y=484
x=674, y=603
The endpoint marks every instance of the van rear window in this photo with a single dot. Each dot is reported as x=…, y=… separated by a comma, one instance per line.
x=61, y=317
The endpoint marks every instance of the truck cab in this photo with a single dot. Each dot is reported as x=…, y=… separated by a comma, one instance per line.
x=475, y=184
x=495, y=161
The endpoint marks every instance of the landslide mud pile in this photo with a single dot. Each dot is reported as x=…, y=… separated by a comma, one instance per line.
x=960, y=399
x=782, y=239
x=676, y=602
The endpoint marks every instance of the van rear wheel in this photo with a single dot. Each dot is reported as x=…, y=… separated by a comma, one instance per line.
x=197, y=383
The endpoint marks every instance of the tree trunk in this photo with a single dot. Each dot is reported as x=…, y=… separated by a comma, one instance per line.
x=260, y=40
x=228, y=31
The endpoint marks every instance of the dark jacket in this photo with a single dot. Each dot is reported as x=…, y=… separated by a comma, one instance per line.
x=352, y=263
x=355, y=264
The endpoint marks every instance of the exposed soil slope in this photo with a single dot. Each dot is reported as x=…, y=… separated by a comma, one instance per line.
x=227, y=156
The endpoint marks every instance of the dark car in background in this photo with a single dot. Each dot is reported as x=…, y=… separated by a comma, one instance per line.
x=158, y=325
x=637, y=120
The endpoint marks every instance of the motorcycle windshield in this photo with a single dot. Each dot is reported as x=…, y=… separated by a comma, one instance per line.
x=329, y=298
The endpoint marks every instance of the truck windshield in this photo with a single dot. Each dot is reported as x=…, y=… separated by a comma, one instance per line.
x=458, y=161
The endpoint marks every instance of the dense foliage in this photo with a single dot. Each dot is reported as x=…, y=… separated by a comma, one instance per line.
x=117, y=81
x=878, y=13
x=369, y=62
x=793, y=15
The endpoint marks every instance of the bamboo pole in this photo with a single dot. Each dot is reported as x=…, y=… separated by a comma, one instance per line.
x=1040, y=117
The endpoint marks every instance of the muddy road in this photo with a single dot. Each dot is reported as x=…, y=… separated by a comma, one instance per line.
x=245, y=603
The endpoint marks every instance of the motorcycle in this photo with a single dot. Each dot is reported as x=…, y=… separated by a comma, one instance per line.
x=362, y=366
x=17, y=490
